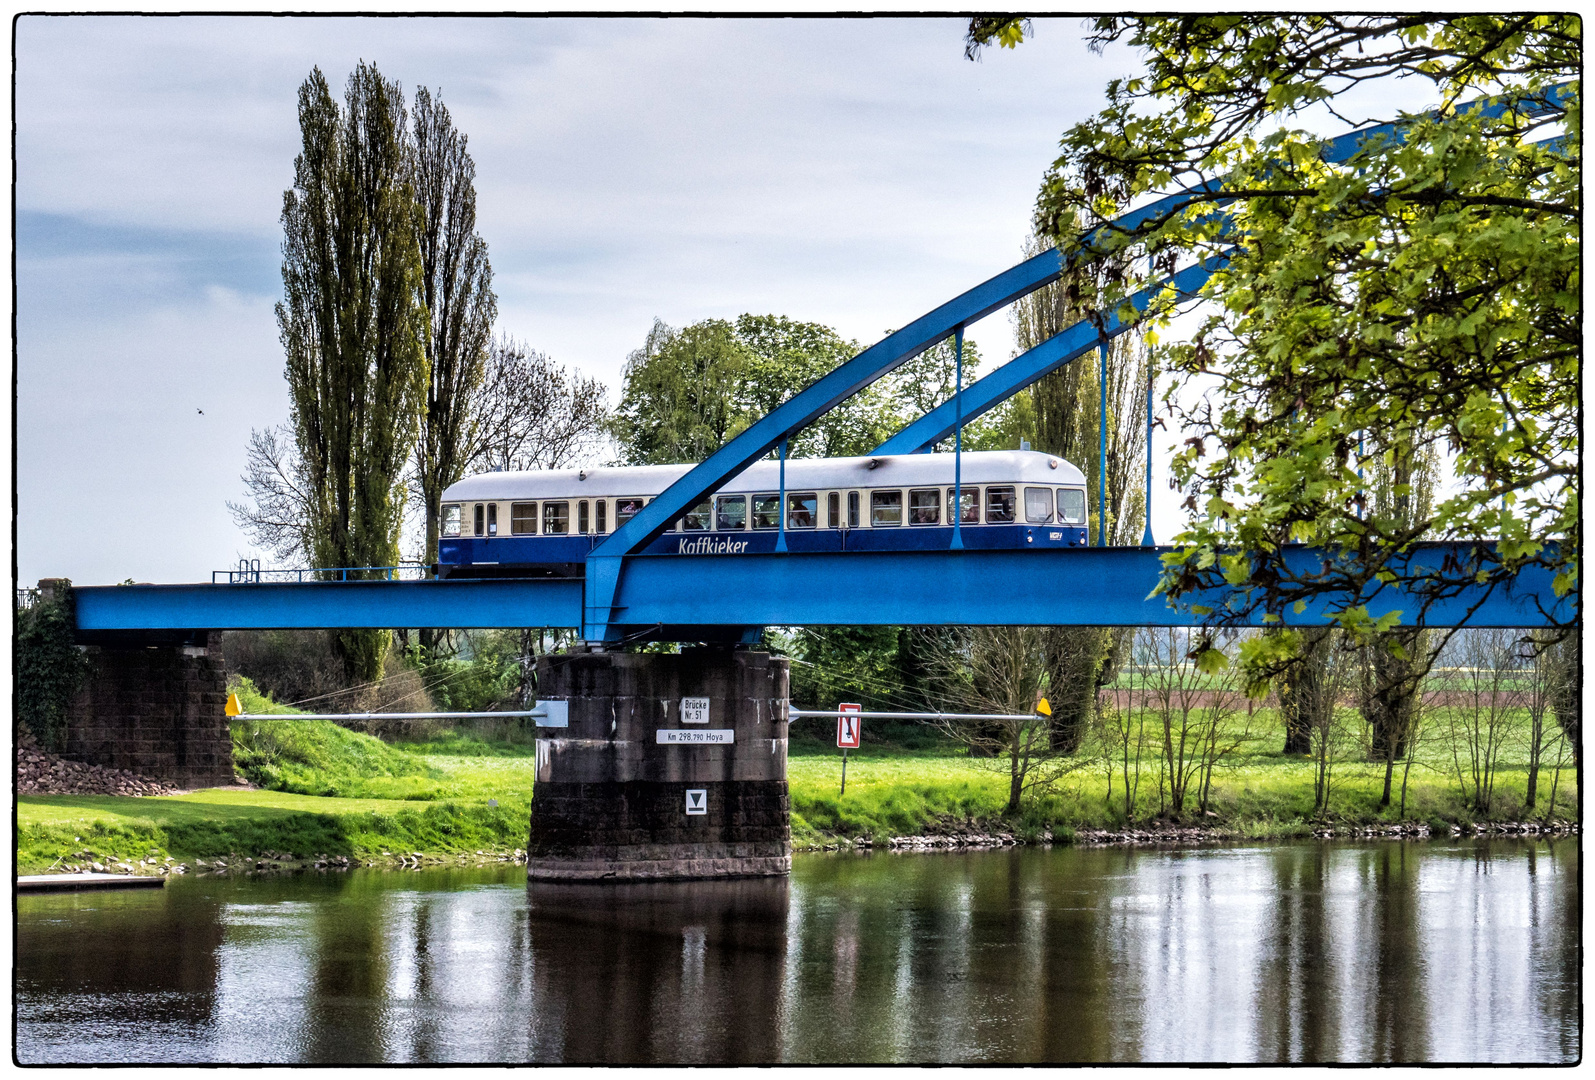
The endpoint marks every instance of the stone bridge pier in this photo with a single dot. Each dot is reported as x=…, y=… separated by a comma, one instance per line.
x=672, y=766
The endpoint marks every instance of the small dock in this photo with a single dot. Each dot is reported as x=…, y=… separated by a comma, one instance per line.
x=72, y=882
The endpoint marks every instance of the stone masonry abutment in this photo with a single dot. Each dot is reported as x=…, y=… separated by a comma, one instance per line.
x=159, y=711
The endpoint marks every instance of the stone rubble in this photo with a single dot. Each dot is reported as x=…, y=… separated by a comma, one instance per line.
x=39, y=773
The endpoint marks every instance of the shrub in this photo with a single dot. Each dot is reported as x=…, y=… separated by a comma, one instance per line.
x=50, y=668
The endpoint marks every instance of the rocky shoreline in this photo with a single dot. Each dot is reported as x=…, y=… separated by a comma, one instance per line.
x=278, y=862
x=970, y=837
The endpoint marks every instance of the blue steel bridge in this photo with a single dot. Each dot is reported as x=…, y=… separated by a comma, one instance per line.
x=625, y=594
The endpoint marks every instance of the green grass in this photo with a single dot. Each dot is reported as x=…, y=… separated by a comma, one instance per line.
x=1254, y=796
x=317, y=757
x=52, y=829
x=336, y=792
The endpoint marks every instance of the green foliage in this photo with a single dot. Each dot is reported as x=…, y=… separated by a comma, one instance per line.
x=1006, y=30
x=252, y=700
x=688, y=391
x=1423, y=294
x=49, y=667
x=853, y=663
x=680, y=401
x=317, y=757
x=483, y=676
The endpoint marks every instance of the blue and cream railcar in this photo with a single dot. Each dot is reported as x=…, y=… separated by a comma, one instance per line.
x=545, y=523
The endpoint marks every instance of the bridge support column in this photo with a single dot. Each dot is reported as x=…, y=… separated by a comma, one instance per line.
x=158, y=711
x=633, y=790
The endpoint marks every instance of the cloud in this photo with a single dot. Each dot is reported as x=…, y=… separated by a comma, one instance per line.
x=851, y=172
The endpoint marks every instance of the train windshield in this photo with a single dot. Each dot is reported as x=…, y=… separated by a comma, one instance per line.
x=1038, y=505
x=1071, y=506
x=451, y=520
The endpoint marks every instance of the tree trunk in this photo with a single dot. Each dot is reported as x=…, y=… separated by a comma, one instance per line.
x=1075, y=659
x=1297, y=687
x=1391, y=705
x=1564, y=692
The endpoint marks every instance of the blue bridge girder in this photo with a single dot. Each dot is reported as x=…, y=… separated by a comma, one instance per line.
x=992, y=390
x=1106, y=586
x=611, y=560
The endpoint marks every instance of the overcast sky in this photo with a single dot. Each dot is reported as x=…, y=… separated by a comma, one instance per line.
x=855, y=173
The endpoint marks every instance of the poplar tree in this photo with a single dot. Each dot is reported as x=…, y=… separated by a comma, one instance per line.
x=353, y=323
x=457, y=282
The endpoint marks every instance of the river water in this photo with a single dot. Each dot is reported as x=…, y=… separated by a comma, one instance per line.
x=1392, y=951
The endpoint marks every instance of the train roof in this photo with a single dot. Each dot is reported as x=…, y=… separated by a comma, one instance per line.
x=898, y=470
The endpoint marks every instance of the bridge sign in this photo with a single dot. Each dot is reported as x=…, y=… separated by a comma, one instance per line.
x=694, y=710
x=697, y=801
x=849, y=729
x=706, y=737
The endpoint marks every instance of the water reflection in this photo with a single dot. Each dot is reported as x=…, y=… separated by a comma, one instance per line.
x=666, y=971
x=1297, y=952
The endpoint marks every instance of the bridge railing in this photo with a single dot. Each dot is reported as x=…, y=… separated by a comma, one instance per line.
x=254, y=575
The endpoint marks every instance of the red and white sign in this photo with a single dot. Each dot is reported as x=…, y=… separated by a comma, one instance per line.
x=849, y=728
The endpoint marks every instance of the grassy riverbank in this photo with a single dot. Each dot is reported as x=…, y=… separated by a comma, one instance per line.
x=890, y=792
x=328, y=791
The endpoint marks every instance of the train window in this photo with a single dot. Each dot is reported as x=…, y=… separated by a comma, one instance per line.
x=833, y=510
x=999, y=505
x=885, y=508
x=801, y=509
x=1038, y=505
x=730, y=512
x=603, y=516
x=479, y=519
x=451, y=519
x=556, y=518
x=852, y=509
x=767, y=511
x=697, y=519
x=581, y=517
x=523, y=519
x=626, y=509
x=971, y=498
x=492, y=519
x=1071, y=506
x=924, y=506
